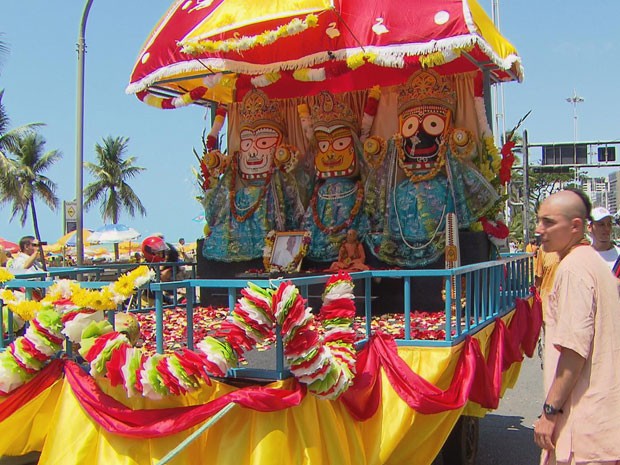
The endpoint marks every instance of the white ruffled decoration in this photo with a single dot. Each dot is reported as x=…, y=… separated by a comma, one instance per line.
x=9, y=380
x=339, y=290
x=73, y=329
x=212, y=80
x=265, y=80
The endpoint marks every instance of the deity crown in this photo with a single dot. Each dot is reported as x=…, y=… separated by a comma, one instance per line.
x=328, y=111
x=426, y=87
x=257, y=110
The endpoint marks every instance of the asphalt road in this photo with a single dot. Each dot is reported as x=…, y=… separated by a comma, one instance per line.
x=507, y=435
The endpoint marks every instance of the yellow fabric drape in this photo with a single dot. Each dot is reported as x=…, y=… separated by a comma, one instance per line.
x=26, y=430
x=316, y=432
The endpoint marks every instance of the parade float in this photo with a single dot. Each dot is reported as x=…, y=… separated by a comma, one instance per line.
x=338, y=116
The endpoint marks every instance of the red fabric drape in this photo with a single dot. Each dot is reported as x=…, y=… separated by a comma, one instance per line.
x=119, y=419
x=474, y=378
x=26, y=392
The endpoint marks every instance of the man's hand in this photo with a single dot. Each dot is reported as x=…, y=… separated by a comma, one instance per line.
x=543, y=431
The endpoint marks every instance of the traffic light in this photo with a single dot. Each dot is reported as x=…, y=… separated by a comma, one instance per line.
x=606, y=154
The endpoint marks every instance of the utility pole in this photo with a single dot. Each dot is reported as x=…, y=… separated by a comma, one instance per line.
x=574, y=100
x=79, y=149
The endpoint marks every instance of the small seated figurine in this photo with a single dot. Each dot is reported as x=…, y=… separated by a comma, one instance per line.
x=351, y=256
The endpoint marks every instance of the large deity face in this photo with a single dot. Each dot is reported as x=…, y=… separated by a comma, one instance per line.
x=336, y=154
x=257, y=149
x=422, y=129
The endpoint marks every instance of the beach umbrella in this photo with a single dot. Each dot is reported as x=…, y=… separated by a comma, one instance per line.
x=113, y=234
x=9, y=246
x=292, y=48
x=69, y=239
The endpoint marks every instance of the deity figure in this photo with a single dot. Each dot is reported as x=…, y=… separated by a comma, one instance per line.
x=427, y=175
x=336, y=201
x=257, y=192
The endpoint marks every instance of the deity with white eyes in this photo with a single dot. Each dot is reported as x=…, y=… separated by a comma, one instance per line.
x=257, y=193
x=336, y=201
x=424, y=175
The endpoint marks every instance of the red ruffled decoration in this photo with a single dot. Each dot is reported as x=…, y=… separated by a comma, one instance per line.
x=508, y=159
x=495, y=229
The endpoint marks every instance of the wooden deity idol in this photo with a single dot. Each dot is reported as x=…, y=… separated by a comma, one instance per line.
x=336, y=202
x=257, y=192
x=425, y=177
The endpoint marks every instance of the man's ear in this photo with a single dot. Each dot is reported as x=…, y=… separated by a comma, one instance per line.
x=578, y=225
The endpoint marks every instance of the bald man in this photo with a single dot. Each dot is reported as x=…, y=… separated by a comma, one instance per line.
x=580, y=422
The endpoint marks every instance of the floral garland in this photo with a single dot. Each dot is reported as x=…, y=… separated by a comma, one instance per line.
x=348, y=222
x=233, y=193
x=268, y=250
x=5, y=275
x=508, y=159
x=326, y=364
x=441, y=161
x=67, y=310
x=496, y=230
x=295, y=26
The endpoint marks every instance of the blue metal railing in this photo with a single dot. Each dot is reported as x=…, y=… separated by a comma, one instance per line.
x=474, y=296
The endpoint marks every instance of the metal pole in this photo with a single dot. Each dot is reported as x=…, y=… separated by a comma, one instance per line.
x=526, y=190
x=79, y=149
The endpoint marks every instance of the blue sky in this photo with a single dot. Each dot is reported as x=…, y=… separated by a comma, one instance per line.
x=564, y=45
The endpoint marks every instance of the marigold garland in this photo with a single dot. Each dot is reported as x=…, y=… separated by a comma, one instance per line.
x=346, y=223
x=233, y=193
x=295, y=26
x=5, y=275
x=58, y=314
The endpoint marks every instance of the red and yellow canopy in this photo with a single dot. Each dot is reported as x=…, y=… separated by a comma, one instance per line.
x=220, y=49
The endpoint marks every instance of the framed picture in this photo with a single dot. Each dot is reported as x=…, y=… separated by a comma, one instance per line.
x=285, y=250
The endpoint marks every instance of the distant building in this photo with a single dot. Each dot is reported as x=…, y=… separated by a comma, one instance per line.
x=613, y=194
x=598, y=190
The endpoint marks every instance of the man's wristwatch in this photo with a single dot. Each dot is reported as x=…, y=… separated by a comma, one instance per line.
x=550, y=410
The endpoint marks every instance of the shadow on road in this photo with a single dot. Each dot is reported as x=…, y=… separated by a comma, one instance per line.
x=505, y=440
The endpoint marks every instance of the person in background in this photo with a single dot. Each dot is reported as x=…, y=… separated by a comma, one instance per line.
x=27, y=258
x=579, y=423
x=532, y=246
x=182, y=252
x=600, y=234
x=3, y=256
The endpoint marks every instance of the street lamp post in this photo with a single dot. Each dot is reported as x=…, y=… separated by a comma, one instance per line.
x=574, y=100
x=79, y=150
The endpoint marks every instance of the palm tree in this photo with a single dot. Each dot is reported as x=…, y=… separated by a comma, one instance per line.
x=110, y=187
x=10, y=139
x=22, y=179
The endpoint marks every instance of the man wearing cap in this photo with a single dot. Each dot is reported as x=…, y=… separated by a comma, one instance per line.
x=600, y=233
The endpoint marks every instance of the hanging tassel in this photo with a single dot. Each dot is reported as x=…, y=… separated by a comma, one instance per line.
x=370, y=111
x=306, y=122
x=218, y=122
